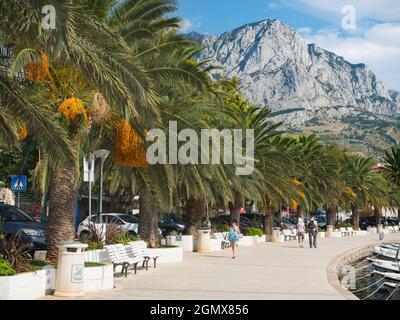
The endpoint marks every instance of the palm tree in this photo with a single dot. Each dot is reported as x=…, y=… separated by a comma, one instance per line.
x=360, y=185
x=392, y=170
x=392, y=164
x=98, y=53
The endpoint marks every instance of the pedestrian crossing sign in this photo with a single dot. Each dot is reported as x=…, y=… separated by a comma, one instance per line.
x=18, y=183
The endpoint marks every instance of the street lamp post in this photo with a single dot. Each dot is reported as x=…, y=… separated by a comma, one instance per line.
x=102, y=155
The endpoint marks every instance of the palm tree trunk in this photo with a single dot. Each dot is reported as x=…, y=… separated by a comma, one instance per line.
x=195, y=209
x=331, y=212
x=300, y=212
x=148, y=218
x=62, y=208
x=398, y=215
x=267, y=222
x=378, y=215
x=356, y=217
x=235, y=207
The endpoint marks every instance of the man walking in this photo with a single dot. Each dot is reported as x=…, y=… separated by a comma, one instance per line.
x=312, y=227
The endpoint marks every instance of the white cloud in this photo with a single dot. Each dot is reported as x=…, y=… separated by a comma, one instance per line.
x=378, y=47
x=304, y=30
x=190, y=24
x=383, y=10
x=273, y=5
x=186, y=25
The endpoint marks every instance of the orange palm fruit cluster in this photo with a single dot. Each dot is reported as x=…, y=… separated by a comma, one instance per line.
x=350, y=192
x=71, y=108
x=37, y=71
x=301, y=194
x=294, y=204
x=129, y=147
x=296, y=182
x=22, y=132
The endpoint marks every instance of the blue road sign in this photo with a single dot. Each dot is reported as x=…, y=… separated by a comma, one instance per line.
x=18, y=183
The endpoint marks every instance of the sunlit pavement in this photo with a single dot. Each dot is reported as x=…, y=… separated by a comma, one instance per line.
x=265, y=271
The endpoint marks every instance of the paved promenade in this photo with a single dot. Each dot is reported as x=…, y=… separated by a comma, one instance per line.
x=265, y=271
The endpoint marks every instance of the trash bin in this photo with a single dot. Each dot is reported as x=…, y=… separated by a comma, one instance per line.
x=329, y=231
x=276, y=235
x=70, y=269
x=203, y=241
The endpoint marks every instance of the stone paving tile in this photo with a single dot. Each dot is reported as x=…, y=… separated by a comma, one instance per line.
x=265, y=271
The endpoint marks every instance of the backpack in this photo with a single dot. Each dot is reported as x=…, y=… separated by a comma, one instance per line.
x=311, y=225
x=232, y=235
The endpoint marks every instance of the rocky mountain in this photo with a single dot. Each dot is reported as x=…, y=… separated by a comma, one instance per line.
x=308, y=88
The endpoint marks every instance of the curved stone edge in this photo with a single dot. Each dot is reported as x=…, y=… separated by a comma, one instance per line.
x=349, y=257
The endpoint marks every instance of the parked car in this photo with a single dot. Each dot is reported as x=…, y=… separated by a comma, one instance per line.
x=218, y=220
x=169, y=224
x=128, y=223
x=14, y=220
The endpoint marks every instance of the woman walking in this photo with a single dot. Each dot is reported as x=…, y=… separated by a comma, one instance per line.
x=234, y=237
x=300, y=232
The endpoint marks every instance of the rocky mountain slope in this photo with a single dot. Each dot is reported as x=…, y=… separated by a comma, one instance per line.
x=308, y=88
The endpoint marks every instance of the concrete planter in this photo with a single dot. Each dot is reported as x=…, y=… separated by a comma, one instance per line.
x=257, y=239
x=336, y=234
x=99, y=278
x=27, y=286
x=322, y=234
x=168, y=255
x=98, y=256
x=215, y=245
x=34, y=285
x=246, y=241
x=186, y=242
x=361, y=233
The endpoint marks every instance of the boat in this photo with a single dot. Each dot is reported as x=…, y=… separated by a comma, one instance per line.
x=391, y=285
x=390, y=246
x=386, y=265
x=387, y=253
x=389, y=275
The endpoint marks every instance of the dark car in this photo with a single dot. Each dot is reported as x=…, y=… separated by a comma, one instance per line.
x=169, y=224
x=218, y=220
x=13, y=220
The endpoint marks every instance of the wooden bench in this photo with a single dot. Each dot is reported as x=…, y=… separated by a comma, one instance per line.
x=390, y=229
x=344, y=231
x=119, y=257
x=224, y=243
x=350, y=231
x=289, y=235
x=138, y=249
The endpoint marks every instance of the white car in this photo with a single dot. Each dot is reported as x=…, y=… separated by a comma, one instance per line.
x=126, y=222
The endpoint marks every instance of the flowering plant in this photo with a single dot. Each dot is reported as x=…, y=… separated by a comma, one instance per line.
x=7, y=196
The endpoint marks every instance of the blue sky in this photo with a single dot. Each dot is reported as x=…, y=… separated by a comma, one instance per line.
x=374, y=37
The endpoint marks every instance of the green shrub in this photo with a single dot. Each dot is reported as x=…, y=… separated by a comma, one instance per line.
x=93, y=264
x=124, y=238
x=39, y=265
x=251, y=231
x=92, y=245
x=5, y=268
x=223, y=228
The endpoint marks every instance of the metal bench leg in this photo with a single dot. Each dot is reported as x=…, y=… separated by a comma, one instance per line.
x=155, y=262
x=125, y=269
x=135, y=266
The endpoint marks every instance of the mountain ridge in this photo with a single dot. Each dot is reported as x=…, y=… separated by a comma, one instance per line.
x=300, y=82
